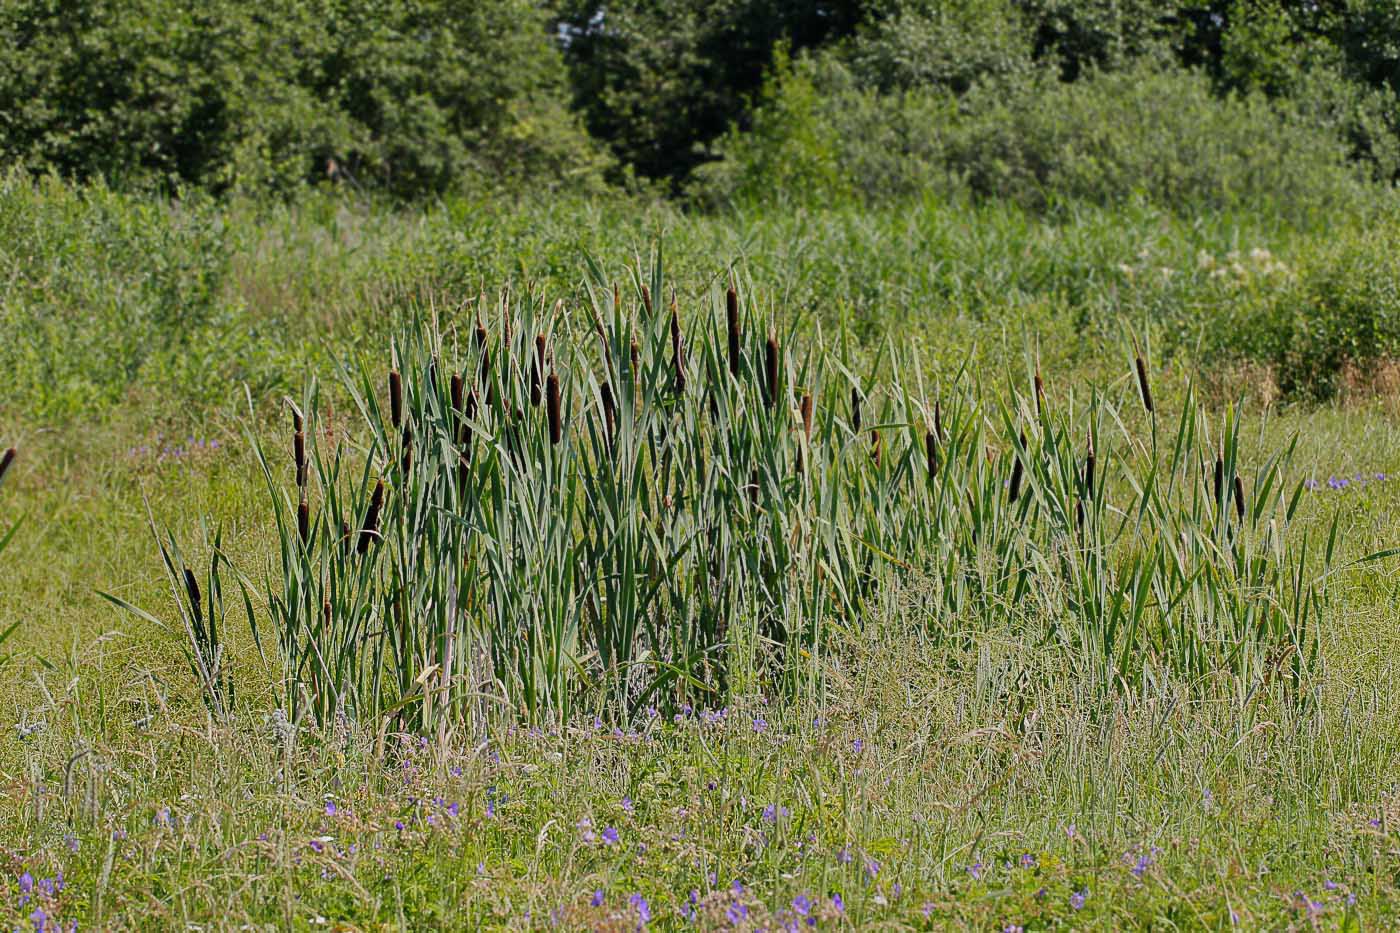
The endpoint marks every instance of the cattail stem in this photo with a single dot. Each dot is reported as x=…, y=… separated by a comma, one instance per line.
x=370, y=530
x=552, y=407
x=395, y=398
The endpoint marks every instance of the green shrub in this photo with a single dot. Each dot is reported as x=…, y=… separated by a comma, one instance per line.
x=410, y=95
x=1159, y=136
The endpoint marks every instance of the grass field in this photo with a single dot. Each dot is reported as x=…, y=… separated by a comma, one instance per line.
x=914, y=755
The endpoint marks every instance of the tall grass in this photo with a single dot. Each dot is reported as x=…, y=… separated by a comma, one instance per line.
x=616, y=508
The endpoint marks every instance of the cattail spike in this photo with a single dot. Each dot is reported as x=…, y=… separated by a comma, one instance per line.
x=299, y=457
x=304, y=520
x=370, y=530
x=855, y=409
x=609, y=413
x=731, y=303
x=646, y=300
x=806, y=408
x=5, y=460
x=1017, y=473
x=1090, y=462
x=1143, y=387
x=677, y=349
x=395, y=398
x=537, y=370
x=297, y=426
x=875, y=446
x=407, y=449
x=552, y=405
x=1239, y=499
x=457, y=390
x=1039, y=396
x=770, y=368
x=931, y=453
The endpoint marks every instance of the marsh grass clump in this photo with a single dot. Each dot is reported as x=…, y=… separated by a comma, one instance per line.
x=635, y=545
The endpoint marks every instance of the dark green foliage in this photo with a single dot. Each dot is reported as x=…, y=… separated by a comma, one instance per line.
x=412, y=96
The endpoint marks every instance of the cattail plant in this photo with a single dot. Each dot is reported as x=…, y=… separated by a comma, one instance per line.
x=609, y=413
x=931, y=453
x=304, y=520
x=299, y=456
x=1018, y=471
x=6, y=460
x=1239, y=500
x=855, y=409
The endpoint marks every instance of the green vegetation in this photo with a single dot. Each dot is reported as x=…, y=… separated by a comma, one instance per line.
x=733, y=465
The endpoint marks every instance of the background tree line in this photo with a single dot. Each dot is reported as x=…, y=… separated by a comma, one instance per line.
x=715, y=99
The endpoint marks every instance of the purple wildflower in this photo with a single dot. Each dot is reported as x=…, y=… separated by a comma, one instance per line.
x=597, y=898
x=1078, y=899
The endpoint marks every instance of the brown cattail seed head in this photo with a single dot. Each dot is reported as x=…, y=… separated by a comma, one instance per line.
x=536, y=370
x=304, y=520
x=609, y=412
x=458, y=391
x=875, y=445
x=677, y=349
x=407, y=448
x=299, y=457
x=731, y=307
x=345, y=536
x=1143, y=387
x=7, y=458
x=806, y=409
x=646, y=299
x=931, y=453
x=1017, y=472
x=370, y=530
x=395, y=398
x=297, y=426
x=552, y=407
x=855, y=409
x=770, y=370
x=1039, y=396
x=1090, y=461
x=1239, y=499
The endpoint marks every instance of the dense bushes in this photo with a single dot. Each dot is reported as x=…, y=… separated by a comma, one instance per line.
x=412, y=96
x=1160, y=135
